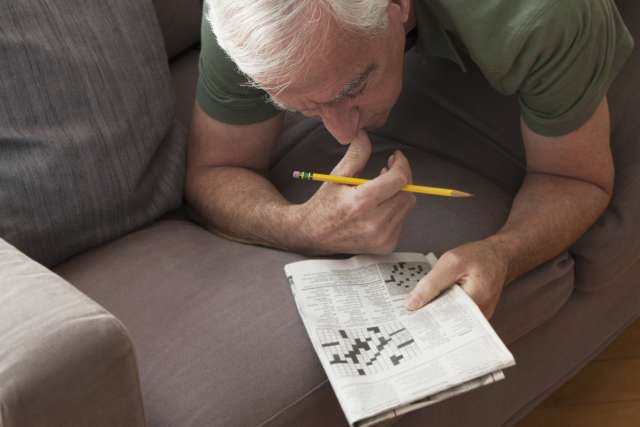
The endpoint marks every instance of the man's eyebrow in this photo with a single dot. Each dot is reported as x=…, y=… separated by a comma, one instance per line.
x=346, y=90
x=355, y=83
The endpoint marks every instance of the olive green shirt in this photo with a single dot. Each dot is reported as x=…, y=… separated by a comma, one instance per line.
x=558, y=56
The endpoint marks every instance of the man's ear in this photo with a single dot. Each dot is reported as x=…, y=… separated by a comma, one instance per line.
x=404, y=7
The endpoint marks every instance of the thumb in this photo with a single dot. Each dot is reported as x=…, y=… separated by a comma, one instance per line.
x=433, y=283
x=356, y=157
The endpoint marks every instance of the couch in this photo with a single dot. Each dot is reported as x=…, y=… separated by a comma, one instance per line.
x=168, y=324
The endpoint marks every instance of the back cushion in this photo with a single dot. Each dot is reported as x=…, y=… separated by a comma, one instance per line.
x=89, y=148
x=180, y=24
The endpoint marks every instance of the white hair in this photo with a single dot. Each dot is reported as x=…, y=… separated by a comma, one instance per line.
x=269, y=40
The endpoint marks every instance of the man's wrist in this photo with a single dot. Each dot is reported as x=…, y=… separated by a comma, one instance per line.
x=297, y=226
x=505, y=251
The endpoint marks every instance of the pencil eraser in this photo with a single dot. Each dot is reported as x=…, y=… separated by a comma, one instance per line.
x=296, y=174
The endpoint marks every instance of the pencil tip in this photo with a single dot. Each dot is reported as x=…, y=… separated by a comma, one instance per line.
x=456, y=193
x=296, y=174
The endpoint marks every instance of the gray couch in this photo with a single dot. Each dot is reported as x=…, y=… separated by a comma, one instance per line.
x=171, y=325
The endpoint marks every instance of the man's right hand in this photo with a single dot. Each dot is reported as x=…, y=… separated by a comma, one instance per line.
x=364, y=219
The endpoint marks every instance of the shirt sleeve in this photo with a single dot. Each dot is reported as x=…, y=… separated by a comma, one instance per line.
x=567, y=59
x=222, y=90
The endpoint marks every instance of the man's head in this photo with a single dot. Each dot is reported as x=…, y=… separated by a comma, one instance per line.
x=340, y=60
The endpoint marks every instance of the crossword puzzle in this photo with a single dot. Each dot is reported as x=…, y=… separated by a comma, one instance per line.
x=402, y=277
x=365, y=351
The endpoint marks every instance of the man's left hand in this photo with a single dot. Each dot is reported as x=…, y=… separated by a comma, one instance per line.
x=477, y=266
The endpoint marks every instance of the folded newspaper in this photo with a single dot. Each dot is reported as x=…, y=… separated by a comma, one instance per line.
x=381, y=359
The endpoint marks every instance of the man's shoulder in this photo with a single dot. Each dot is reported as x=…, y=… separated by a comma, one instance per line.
x=223, y=91
x=505, y=16
x=494, y=30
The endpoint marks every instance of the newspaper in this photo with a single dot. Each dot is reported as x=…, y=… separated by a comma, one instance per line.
x=381, y=359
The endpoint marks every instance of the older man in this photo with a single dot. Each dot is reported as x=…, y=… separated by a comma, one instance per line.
x=341, y=61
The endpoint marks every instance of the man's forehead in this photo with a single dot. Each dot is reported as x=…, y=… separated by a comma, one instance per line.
x=331, y=88
x=344, y=57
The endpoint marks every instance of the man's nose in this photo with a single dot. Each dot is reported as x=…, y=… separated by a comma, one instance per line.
x=342, y=123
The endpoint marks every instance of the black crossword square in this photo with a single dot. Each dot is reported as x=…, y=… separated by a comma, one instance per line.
x=402, y=277
x=363, y=351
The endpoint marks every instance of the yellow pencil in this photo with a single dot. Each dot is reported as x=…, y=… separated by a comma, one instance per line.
x=434, y=191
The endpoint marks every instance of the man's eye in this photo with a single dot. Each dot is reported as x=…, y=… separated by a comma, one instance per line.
x=357, y=93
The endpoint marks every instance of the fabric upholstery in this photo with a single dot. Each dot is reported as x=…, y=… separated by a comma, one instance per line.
x=214, y=324
x=217, y=332
x=184, y=73
x=180, y=24
x=64, y=360
x=88, y=145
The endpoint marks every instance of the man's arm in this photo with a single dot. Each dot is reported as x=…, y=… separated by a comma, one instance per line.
x=568, y=185
x=226, y=165
x=227, y=187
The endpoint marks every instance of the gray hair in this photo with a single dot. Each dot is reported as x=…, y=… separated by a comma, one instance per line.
x=270, y=39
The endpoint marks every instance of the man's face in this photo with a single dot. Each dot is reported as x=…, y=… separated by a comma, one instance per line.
x=353, y=82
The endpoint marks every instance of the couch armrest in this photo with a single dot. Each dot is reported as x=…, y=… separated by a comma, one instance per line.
x=64, y=360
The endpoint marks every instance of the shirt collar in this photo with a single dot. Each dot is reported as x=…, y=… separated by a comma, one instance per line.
x=433, y=40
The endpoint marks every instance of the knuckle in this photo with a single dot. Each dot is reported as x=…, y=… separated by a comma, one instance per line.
x=400, y=180
x=452, y=258
x=371, y=231
x=348, y=209
x=409, y=200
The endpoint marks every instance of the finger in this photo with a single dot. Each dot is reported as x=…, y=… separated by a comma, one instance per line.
x=443, y=275
x=390, y=221
x=396, y=209
x=356, y=157
x=399, y=160
x=397, y=224
x=388, y=184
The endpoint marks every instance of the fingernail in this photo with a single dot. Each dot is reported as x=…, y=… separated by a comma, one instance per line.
x=383, y=171
x=413, y=303
x=391, y=159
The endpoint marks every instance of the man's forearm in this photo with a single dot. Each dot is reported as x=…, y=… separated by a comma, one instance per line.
x=548, y=215
x=245, y=206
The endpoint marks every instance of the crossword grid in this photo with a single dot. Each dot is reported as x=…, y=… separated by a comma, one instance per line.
x=402, y=277
x=365, y=351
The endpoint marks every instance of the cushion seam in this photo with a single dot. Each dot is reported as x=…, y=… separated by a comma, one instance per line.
x=294, y=403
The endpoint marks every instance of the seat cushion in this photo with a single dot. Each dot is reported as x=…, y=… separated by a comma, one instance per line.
x=214, y=323
x=89, y=149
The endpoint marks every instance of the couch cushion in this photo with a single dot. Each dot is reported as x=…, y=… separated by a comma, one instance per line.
x=180, y=24
x=217, y=332
x=88, y=145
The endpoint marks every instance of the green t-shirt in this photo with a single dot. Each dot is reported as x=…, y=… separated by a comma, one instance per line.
x=558, y=56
